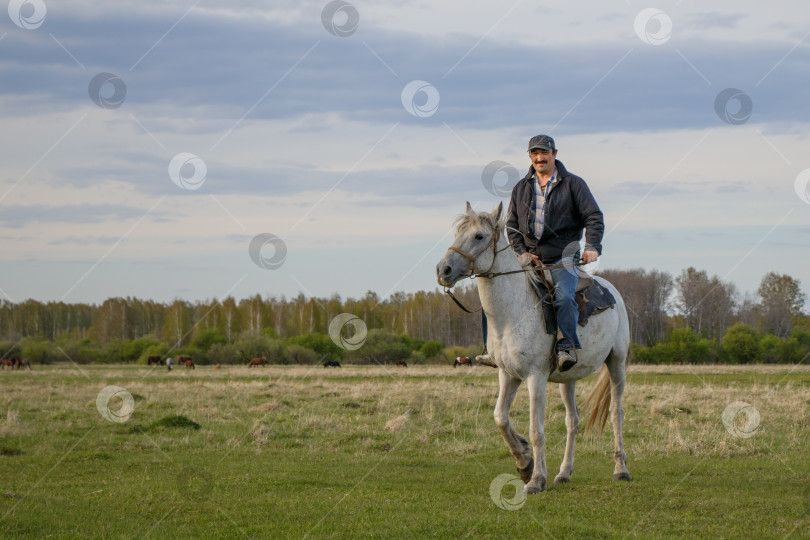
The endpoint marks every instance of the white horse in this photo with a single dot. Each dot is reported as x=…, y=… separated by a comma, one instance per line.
x=518, y=343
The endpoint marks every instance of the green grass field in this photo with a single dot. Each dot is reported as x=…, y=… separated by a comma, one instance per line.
x=306, y=452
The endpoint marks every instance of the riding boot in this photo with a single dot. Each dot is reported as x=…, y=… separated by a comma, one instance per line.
x=484, y=359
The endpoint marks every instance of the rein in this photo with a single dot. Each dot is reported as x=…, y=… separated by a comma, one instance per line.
x=489, y=275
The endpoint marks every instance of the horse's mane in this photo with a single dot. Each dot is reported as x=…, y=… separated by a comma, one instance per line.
x=470, y=219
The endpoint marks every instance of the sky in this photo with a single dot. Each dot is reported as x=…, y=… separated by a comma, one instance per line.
x=204, y=149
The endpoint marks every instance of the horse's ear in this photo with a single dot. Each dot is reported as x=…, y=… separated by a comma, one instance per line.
x=469, y=208
x=496, y=214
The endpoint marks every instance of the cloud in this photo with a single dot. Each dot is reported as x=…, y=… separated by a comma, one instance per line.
x=16, y=217
x=213, y=70
x=715, y=19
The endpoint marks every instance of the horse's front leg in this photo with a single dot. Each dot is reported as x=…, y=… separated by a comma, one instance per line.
x=516, y=442
x=571, y=424
x=537, y=412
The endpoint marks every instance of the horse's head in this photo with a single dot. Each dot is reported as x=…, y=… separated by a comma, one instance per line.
x=473, y=249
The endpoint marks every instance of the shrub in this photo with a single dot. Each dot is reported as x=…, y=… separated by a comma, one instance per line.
x=380, y=347
x=296, y=354
x=431, y=349
x=322, y=344
x=741, y=344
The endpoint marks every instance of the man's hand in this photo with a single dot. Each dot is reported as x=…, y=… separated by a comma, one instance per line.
x=525, y=259
x=589, y=256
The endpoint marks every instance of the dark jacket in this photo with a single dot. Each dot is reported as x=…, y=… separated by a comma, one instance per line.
x=570, y=208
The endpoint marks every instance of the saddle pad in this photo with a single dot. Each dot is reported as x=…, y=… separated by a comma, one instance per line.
x=592, y=300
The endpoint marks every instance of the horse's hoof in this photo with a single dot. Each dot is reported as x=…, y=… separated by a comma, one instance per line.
x=622, y=476
x=562, y=479
x=532, y=490
x=526, y=472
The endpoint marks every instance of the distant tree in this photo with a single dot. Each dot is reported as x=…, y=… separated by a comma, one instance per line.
x=707, y=304
x=781, y=300
x=646, y=296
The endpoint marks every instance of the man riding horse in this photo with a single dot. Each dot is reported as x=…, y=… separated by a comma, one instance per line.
x=548, y=210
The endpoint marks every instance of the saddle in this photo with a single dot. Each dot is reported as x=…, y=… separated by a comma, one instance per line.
x=591, y=298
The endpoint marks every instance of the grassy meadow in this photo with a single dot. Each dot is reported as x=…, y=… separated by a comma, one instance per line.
x=360, y=451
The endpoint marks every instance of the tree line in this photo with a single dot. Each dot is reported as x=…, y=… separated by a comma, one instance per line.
x=691, y=312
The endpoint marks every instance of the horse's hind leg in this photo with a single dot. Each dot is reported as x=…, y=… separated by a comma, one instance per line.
x=572, y=425
x=516, y=442
x=616, y=369
x=537, y=413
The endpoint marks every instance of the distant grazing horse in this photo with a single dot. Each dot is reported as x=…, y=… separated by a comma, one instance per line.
x=257, y=362
x=462, y=361
x=154, y=360
x=5, y=362
x=402, y=363
x=331, y=363
x=18, y=364
x=186, y=361
x=518, y=343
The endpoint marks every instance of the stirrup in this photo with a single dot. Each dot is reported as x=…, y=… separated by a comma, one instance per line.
x=565, y=361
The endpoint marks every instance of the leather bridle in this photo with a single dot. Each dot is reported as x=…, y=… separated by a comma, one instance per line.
x=493, y=241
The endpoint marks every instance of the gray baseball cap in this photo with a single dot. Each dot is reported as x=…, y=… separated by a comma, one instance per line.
x=543, y=142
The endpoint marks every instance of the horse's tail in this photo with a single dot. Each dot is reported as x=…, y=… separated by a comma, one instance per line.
x=599, y=401
x=599, y=398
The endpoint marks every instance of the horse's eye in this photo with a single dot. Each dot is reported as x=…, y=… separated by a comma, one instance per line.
x=479, y=236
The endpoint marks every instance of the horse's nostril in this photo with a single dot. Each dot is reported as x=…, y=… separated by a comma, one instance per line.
x=446, y=270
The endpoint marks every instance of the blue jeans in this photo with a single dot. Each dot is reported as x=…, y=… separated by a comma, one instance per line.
x=565, y=285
